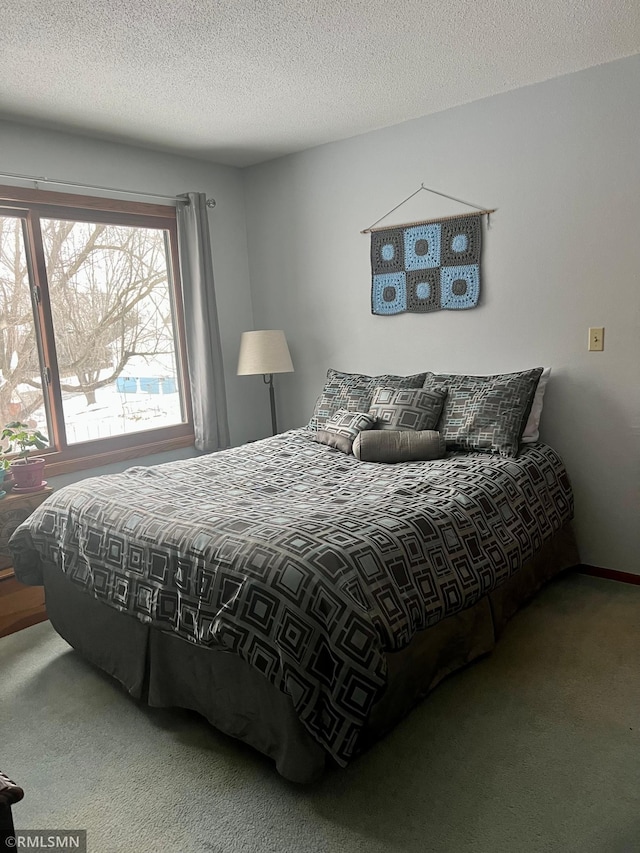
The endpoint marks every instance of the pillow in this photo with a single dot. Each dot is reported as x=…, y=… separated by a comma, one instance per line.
x=531, y=432
x=398, y=445
x=407, y=408
x=333, y=439
x=350, y=424
x=486, y=413
x=353, y=391
x=345, y=426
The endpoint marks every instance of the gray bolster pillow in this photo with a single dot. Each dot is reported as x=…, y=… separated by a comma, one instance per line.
x=398, y=445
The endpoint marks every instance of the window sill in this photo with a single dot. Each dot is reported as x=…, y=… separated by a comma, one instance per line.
x=58, y=463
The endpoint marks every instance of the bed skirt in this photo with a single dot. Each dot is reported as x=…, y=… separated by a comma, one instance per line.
x=166, y=671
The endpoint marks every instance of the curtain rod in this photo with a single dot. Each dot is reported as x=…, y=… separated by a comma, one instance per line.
x=211, y=202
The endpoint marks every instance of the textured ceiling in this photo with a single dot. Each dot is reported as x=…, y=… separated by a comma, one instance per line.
x=240, y=81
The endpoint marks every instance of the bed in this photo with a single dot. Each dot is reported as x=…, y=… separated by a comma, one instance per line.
x=300, y=599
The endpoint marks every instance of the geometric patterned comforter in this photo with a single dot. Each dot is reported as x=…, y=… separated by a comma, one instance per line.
x=305, y=562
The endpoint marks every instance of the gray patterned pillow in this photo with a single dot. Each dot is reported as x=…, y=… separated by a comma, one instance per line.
x=343, y=428
x=353, y=391
x=350, y=424
x=487, y=413
x=333, y=439
x=407, y=408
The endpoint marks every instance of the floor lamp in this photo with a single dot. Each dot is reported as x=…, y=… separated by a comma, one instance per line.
x=265, y=352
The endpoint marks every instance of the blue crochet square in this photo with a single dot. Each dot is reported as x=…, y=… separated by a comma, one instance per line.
x=389, y=293
x=422, y=246
x=460, y=286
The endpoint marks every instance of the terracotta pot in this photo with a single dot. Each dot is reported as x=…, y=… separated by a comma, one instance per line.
x=28, y=474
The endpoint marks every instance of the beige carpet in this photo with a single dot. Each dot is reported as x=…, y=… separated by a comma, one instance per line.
x=535, y=748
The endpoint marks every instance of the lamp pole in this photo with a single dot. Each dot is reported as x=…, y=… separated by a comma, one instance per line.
x=267, y=378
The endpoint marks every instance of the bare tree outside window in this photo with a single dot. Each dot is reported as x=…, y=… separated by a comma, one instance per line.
x=110, y=298
x=20, y=381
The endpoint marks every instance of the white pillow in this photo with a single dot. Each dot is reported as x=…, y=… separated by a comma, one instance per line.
x=531, y=432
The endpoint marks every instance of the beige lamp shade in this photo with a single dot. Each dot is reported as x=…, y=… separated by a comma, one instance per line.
x=265, y=352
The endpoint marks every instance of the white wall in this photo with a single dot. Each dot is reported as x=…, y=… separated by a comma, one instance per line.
x=560, y=160
x=28, y=150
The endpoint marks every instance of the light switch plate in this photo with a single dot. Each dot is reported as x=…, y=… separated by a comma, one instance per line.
x=596, y=339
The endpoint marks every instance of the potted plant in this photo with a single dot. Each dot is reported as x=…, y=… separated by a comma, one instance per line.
x=27, y=471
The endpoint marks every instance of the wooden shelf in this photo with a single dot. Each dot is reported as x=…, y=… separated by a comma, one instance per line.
x=20, y=605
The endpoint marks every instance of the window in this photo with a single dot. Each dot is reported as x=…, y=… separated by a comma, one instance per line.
x=91, y=332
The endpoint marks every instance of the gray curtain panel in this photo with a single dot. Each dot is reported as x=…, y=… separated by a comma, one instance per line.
x=204, y=352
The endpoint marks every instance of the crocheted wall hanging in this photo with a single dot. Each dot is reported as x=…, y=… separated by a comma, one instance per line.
x=426, y=266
